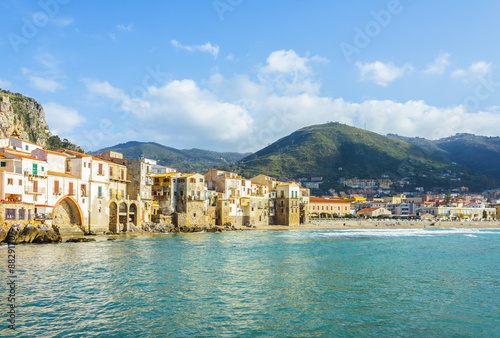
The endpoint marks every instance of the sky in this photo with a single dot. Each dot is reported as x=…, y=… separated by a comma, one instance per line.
x=237, y=75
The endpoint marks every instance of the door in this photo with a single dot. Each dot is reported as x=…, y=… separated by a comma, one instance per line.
x=35, y=169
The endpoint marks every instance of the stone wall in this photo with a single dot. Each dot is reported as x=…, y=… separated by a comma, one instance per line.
x=6, y=224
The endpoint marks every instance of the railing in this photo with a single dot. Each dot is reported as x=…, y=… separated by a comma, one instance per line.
x=31, y=190
x=72, y=192
x=84, y=193
x=58, y=191
x=29, y=172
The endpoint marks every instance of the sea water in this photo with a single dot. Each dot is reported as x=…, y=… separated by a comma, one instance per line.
x=395, y=282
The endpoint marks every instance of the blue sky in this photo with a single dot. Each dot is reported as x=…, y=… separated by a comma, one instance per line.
x=236, y=75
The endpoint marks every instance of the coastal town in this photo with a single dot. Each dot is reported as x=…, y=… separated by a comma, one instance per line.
x=80, y=193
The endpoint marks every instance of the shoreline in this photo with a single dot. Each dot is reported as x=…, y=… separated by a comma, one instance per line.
x=331, y=225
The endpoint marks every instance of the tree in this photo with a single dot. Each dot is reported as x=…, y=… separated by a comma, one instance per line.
x=485, y=214
x=447, y=198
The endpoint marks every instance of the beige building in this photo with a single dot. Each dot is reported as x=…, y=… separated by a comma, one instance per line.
x=325, y=207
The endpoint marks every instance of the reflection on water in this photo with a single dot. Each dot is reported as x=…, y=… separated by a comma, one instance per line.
x=301, y=283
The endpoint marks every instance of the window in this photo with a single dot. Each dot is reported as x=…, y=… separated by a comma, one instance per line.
x=30, y=216
x=10, y=213
x=10, y=181
x=122, y=174
x=192, y=180
x=14, y=147
x=27, y=148
x=43, y=168
x=56, y=187
x=71, y=188
x=282, y=194
x=83, y=188
x=100, y=172
x=99, y=191
x=22, y=214
x=84, y=164
x=3, y=164
x=20, y=182
x=110, y=171
x=201, y=180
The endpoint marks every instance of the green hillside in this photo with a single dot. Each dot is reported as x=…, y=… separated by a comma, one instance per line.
x=335, y=150
x=478, y=153
x=186, y=160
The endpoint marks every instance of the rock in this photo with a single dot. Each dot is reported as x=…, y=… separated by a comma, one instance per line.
x=80, y=239
x=28, y=234
x=89, y=233
x=111, y=239
x=3, y=234
x=47, y=236
x=13, y=234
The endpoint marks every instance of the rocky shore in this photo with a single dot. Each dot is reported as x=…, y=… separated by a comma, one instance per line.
x=40, y=234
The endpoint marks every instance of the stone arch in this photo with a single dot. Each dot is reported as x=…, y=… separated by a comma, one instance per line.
x=67, y=215
x=113, y=217
x=133, y=213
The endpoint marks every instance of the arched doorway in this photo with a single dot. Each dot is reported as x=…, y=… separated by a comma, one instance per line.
x=67, y=215
x=132, y=214
x=113, y=217
x=123, y=213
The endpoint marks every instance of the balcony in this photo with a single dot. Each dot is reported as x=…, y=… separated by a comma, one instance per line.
x=72, y=192
x=58, y=191
x=29, y=172
x=149, y=181
x=33, y=191
x=84, y=193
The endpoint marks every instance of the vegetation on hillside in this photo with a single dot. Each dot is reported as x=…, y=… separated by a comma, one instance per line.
x=479, y=153
x=186, y=160
x=334, y=150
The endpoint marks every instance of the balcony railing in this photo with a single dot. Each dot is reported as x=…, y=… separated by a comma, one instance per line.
x=29, y=172
x=58, y=191
x=72, y=192
x=84, y=193
x=37, y=191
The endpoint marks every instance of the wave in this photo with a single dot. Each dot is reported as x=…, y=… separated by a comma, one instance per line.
x=391, y=232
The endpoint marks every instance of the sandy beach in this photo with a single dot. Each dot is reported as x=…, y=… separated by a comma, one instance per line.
x=376, y=224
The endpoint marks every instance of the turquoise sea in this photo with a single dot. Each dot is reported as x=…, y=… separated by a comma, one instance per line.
x=307, y=283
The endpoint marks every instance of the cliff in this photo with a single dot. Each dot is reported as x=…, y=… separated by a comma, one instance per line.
x=23, y=115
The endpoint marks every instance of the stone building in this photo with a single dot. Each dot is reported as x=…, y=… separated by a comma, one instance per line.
x=287, y=204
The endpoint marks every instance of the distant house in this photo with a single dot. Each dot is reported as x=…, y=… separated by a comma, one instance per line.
x=325, y=207
x=373, y=212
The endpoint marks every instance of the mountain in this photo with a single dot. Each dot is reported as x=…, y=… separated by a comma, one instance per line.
x=478, y=153
x=335, y=150
x=25, y=117
x=186, y=160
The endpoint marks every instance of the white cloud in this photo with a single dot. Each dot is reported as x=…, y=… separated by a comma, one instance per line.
x=61, y=119
x=124, y=28
x=205, y=48
x=63, y=21
x=183, y=109
x=286, y=61
x=4, y=83
x=439, y=65
x=476, y=70
x=382, y=73
x=242, y=113
x=45, y=84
